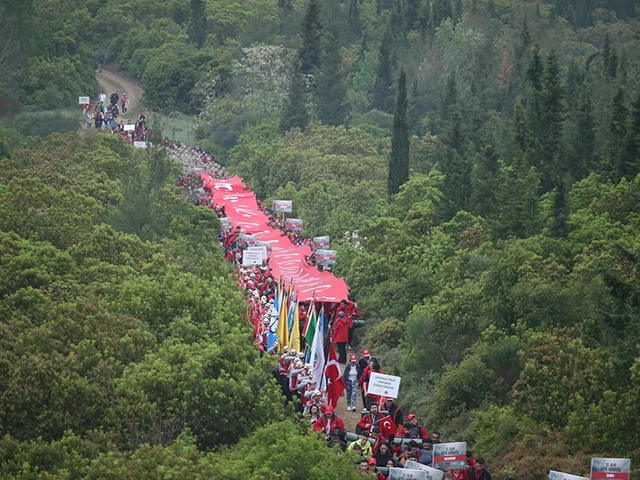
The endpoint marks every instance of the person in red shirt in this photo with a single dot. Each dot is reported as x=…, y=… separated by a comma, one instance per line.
x=341, y=336
x=363, y=383
x=370, y=420
x=328, y=422
x=460, y=474
x=417, y=430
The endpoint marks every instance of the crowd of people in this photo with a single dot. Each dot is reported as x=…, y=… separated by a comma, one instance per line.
x=105, y=115
x=383, y=437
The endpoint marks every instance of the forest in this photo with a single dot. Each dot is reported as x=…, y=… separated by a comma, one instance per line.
x=487, y=151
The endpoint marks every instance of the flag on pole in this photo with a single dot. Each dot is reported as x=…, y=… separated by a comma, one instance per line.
x=283, y=329
x=273, y=321
x=310, y=329
x=294, y=341
x=334, y=380
x=292, y=305
x=317, y=356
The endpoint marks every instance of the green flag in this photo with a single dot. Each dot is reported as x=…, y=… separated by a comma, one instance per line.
x=311, y=328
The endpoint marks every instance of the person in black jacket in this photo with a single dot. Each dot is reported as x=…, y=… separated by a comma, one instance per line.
x=114, y=98
x=480, y=472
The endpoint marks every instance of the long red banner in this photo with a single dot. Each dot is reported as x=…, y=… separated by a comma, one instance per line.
x=287, y=260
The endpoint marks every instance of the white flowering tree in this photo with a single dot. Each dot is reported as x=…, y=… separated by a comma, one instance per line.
x=259, y=84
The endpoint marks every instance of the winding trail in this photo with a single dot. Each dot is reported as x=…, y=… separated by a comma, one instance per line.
x=110, y=81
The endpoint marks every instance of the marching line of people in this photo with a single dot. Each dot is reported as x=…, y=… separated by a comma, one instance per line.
x=383, y=438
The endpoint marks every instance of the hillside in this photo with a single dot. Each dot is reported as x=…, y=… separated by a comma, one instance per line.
x=486, y=152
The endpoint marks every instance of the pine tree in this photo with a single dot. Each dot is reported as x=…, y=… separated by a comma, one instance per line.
x=382, y=95
x=449, y=99
x=484, y=180
x=399, y=160
x=553, y=110
x=574, y=79
x=412, y=15
x=355, y=20
x=631, y=166
x=457, y=167
x=520, y=128
x=331, y=90
x=529, y=207
x=609, y=58
x=581, y=158
x=295, y=112
x=618, y=131
x=198, y=25
x=559, y=211
x=525, y=39
x=535, y=69
x=491, y=8
x=310, y=52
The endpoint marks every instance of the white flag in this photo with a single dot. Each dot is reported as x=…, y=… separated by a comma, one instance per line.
x=317, y=354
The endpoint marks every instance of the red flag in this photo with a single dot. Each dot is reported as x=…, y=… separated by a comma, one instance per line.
x=387, y=427
x=335, y=382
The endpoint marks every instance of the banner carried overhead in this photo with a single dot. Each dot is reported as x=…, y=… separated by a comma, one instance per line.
x=286, y=260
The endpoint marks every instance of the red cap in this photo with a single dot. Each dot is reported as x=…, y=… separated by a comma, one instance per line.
x=411, y=416
x=366, y=353
x=328, y=409
x=353, y=358
x=371, y=461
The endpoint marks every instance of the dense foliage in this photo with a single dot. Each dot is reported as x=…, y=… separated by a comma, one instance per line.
x=500, y=281
x=123, y=346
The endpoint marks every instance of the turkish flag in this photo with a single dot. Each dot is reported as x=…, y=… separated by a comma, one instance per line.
x=335, y=382
x=387, y=427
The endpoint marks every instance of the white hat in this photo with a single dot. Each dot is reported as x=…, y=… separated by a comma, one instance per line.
x=316, y=393
x=293, y=352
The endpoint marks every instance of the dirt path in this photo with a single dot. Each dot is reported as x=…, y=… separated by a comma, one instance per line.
x=110, y=81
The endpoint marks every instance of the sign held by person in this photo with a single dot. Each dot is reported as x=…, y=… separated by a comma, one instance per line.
x=284, y=206
x=326, y=257
x=447, y=456
x=321, y=243
x=84, y=100
x=384, y=385
x=553, y=475
x=615, y=468
x=432, y=473
x=254, y=255
x=140, y=144
x=406, y=474
x=226, y=223
x=294, y=224
x=129, y=128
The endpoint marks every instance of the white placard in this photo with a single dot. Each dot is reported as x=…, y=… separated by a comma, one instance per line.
x=84, y=100
x=129, y=128
x=383, y=385
x=614, y=468
x=432, y=473
x=406, y=473
x=285, y=206
x=447, y=456
x=140, y=144
x=553, y=475
x=254, y=255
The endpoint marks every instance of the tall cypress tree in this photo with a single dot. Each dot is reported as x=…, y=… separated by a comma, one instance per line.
x=581, y=158
x=609, y=58
x=535, y=69
x=412, y=14
x=618, y=131
x=553, y=110
x=631, y=165
x=295, y=112
x=198, y=25
x=382, y=95
x=331, y=90
x=311, y=50
x=355, y=20
x=399, y=160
